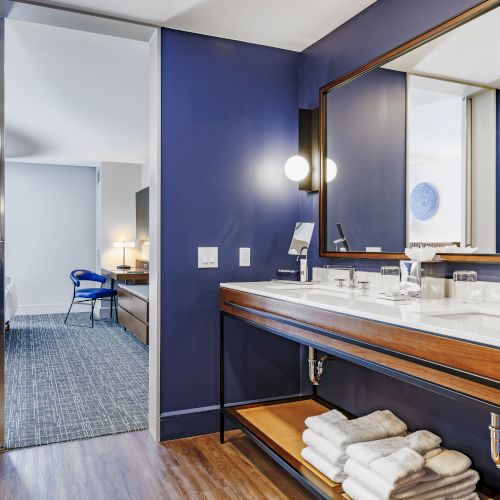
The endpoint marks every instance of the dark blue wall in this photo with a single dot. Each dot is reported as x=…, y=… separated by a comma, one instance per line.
x=366, y=124
x=381, y=27
x=229, y=122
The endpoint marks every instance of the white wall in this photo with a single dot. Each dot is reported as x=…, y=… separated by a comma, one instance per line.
x=50, y=226
x=116, y=212
x=436, y=136
x=483, y=196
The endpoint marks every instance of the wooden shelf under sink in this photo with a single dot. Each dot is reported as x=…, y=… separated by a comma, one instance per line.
x=279, y=426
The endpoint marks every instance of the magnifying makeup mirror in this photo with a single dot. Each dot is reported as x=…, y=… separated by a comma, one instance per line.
x=301, y=238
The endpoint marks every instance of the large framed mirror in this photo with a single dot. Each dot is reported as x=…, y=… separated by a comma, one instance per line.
x=410, y=147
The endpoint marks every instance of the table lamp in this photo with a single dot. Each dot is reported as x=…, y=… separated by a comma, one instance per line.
x=124, y=245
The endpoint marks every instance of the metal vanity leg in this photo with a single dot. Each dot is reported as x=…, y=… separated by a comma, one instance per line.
x=221, y=377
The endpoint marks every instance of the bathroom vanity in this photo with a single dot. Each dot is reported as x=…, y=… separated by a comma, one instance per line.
x=438, y=345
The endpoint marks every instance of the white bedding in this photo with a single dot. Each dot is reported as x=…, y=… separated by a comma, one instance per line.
x=10, y=299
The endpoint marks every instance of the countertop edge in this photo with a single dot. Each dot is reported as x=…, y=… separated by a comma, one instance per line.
x=379, y=318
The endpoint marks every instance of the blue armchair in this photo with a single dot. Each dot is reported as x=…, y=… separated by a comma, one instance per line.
x=90, y=295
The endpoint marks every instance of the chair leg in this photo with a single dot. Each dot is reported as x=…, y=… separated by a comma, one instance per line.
x=111, y=302
x=92, y=313
x=69, y=310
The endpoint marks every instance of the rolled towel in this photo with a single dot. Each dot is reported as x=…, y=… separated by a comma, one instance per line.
x=378, y=483
x=432, y=453
x=446, y=463
x=324, y=448
x=319, y=422
x=331, y=471
x=420, y=441
x=441, y=487
x=376, y=425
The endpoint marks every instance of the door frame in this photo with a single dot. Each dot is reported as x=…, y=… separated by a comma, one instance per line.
x=151, y=34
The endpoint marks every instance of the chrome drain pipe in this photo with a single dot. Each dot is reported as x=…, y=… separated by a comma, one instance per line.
x=316, y=366
x=495, y=438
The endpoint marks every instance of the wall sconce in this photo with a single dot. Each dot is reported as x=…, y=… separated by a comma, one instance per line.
x=331, y=170
x=304, y=167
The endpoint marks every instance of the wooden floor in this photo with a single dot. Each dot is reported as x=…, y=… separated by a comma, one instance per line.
x=133, y=466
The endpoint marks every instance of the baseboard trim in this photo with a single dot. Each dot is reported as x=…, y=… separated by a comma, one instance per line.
x=197, y=421
x=25, y=310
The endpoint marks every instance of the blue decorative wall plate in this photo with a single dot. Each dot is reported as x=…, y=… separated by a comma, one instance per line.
x=424, y=201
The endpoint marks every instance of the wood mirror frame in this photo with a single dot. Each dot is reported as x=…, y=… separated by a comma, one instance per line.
x=450, y=24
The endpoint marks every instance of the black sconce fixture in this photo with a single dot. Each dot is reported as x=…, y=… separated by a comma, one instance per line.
x=304, y=167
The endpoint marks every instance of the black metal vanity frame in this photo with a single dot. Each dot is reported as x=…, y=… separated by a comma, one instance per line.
x=338, y=339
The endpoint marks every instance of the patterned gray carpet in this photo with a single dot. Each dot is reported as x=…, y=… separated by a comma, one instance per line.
x=72, y=382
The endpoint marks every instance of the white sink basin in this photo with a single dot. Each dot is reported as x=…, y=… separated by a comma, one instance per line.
x=477, y=316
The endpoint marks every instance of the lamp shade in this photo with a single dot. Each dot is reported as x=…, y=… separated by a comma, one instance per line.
x=296, y=168
x=124, y=244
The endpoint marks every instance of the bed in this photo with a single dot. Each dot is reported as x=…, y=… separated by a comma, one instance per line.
x=10, y=300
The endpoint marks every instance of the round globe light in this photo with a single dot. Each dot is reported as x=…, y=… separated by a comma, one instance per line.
x=296, y=168
x=331, y=170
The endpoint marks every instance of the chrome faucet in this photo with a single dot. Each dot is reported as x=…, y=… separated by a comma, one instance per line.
x=303, y=269
x=352, y=274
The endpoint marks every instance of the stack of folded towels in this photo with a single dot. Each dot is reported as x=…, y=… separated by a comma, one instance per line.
x=410, y=467
x=328, y=435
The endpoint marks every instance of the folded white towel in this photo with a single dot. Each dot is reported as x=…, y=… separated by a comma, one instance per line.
x=398, y=465
x=331, y=471
x=446, y=485
x=408, y=487
x=420, y=441
x=385, y=489
x=470, y=496
x=358, y=491
x=376, y=425
x=324, y=448
x=319, y=422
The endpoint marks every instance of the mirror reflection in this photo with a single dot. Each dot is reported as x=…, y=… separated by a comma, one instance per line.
x=412, y=149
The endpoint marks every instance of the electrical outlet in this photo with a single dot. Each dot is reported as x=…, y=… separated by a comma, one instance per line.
x=208, y=257
x=244, y=257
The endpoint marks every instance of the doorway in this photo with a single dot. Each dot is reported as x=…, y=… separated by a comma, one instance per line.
x=75, y=380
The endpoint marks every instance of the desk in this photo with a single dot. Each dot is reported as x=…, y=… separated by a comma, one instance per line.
x=133, y=310
x=126, y=275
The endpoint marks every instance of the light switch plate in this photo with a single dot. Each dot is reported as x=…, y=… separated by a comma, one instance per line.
x=208, y=257
x=244, y=257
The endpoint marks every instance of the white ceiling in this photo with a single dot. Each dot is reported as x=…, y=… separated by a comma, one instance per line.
x=467, y=54
x=287, y=24
x=74, y=97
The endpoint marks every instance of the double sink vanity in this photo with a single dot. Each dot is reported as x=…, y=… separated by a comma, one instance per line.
x=441, y=345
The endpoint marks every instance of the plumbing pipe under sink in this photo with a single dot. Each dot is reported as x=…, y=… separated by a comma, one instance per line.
x=495, y=438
